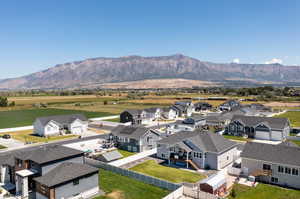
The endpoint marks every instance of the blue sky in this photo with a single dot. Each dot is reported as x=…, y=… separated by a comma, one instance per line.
x=35, y=35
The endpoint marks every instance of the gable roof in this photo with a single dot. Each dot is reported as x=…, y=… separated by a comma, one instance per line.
x=47, y=153
x=204, y=141
x=65, y=172
x=280, y=153
x=61, y=119
x=135, y=132
x=273, y=122
x=133, y=111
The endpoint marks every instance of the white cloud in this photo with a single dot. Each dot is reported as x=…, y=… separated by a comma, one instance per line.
x=274, y=61
x=236, y=61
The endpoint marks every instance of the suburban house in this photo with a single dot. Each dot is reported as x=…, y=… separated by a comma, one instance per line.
x=199, y=149
x=264, y=128
x=188, y=124
x=169, y=113
x=275, y=164
x=202, y=106
x=153, y=113
x=60, y=124
x=183, y=110
x=49, y=171
x=135, y=116
x=134, y=138
x=228, y=105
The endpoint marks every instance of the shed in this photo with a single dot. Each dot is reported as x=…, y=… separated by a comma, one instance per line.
x=215, y=184
x=110, y=156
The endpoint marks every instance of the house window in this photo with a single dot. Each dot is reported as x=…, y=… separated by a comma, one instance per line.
x=197, y=155
x=76, y=182
x=294, y=171
x=266, y=167
x=287, y=170
x=274, y=180
x=280, y=169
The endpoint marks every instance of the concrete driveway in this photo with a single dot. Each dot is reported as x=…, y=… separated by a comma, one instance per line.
x=11, y=143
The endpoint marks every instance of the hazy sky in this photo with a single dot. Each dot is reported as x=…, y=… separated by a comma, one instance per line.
x=35, y=35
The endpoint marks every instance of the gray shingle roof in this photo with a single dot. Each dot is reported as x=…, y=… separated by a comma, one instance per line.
x=47, y=153
x=274, y=123
x=65, y=172
x=135, y=132
x=134, y=111
x=151, y=110
x=205, y=141
x=280, y=154
x=62, y=119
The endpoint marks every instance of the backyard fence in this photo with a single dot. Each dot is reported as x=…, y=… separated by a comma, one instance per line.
x=193, y=191
x=132, y=174
x=293, y=138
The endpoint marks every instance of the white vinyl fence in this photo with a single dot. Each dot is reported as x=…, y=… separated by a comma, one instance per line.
x=132, y=174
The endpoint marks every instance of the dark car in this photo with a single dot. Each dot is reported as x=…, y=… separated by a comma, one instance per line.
x=6, y=136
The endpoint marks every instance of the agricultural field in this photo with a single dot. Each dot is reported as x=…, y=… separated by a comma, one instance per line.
x=263, y=191
x=294, y=117
x=152, y=168
x=121, y=187
x=17, y=118
x=28, y=136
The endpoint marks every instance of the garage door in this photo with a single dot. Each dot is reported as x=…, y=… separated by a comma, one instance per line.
x=276, y=136
x=77, y=130
x=262, y=135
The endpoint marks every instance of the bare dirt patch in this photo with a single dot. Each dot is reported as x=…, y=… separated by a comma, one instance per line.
x=116, y=195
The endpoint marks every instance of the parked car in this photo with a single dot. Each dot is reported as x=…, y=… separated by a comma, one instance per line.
x=6, y=136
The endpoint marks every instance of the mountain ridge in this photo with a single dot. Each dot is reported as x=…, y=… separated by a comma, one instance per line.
x=101, y=70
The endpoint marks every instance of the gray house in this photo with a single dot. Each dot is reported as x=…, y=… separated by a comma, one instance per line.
x=197, y=149
x=188, y=124
x=228, y=105
x=21, y=168
x=134, y=138
x=275, y=164
x=135, y=116
x=265, y=128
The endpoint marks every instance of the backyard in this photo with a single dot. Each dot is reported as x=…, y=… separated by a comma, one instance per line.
x=18, y=118
x=263, y=191
x=296, y=142
x=2, y=147
x=237, y=138
x=121, y=187
x=27, y=136
x=126, y=153
x=294, y=117
x=152, y=168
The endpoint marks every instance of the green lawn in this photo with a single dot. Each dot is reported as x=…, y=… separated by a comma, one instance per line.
x=2, y=147
x=19, y=118
x=121, y=187
x=126, y=153
x=264, y=191
x=296, y=142
x=238, y=138
x=150, y=167
x=294, y=117
x=114, y=120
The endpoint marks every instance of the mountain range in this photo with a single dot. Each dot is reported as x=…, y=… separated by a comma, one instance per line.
x=101, y=72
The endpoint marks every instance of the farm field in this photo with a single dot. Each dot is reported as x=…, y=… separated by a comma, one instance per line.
x=294, y=117
x=150, y=167
x=121, y=187
x=264, y=191
x=17, y=118
x=27, y=136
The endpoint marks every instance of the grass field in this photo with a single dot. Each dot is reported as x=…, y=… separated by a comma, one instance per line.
x=2, y=147
x=27, y=136
x=121, y=187
x=264, y=191
x=126, y=153
x=19, y=118
x=294, y=117
x=150, y=167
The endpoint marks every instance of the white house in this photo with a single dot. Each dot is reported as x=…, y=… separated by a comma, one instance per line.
x=169, y=113
x=61, y=124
